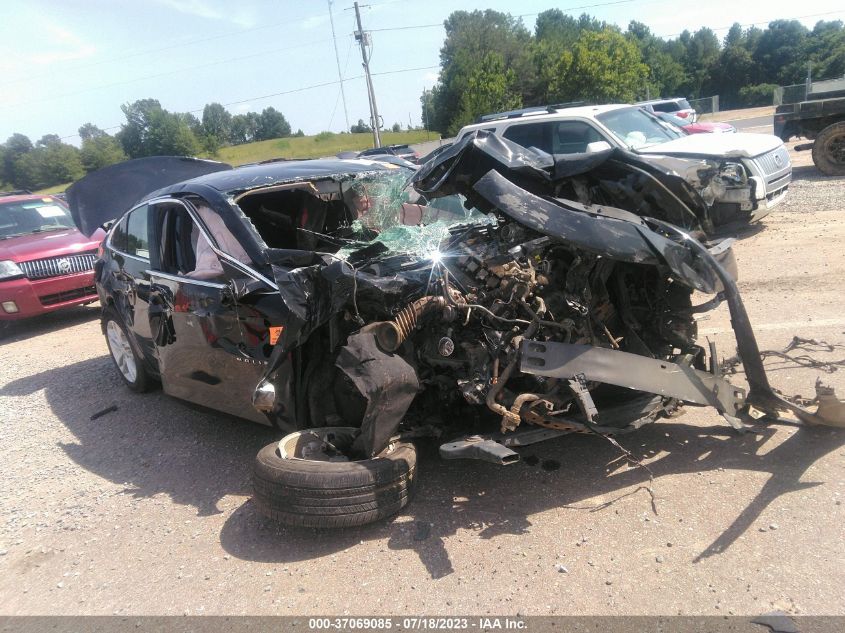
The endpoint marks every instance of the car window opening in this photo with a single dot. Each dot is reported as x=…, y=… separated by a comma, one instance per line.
x=353, y=213
x=186, y=251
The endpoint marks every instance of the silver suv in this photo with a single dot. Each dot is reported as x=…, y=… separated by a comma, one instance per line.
x=740, y=177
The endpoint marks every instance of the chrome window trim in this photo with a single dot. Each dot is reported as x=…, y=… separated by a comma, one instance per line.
x=111, y=231
x=135, y=257
x=244, y=268
x=177, y=278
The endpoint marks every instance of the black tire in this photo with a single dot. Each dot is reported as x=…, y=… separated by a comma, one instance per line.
x=322, y=494
x=139, y=380
x=829, y=150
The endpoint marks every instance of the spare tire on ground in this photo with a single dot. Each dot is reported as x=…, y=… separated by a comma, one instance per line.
x=307, y=480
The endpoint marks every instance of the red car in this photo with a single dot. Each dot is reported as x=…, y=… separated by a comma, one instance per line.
x=700, y=127
x=45, y=263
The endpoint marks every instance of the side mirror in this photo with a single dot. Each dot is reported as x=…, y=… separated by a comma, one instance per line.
x=598, y=146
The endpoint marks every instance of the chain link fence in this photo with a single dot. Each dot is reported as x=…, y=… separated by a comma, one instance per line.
x=705, y=105
x=790, y=94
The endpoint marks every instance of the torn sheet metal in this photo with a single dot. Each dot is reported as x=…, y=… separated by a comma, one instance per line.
x=615, y=367
x=618, y=235
x=311, y=295
x=760, y=394
x=386, y=381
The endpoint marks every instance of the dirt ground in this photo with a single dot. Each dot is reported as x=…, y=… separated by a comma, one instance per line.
x=146, y=510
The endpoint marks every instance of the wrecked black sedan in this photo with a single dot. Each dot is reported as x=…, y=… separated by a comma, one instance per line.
x=356, y=305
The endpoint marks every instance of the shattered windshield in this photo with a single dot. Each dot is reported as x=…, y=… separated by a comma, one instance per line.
x=388, y=210
x=636, y=128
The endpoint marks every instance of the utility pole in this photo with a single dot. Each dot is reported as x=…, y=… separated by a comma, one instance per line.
x=362, y=39
x=425, y=112
x=339, y=75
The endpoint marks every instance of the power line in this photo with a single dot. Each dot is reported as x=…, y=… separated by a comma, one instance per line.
x=286, y=92
x=404, y=70
x=159, y=49
x=164, y=74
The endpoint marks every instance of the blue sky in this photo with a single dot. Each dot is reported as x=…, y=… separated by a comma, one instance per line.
x=65, y=63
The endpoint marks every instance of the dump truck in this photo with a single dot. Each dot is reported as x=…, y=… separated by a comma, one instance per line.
x=821, y=119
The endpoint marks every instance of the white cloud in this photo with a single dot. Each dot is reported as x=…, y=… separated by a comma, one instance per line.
x=243, y=108
x=315, y=21
x=211, y=10
x=62, y=46
x=431, y=77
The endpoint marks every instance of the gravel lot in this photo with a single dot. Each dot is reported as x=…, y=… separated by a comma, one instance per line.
x=146, y=510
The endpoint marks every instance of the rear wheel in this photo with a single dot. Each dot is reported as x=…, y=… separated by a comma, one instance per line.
x=128, y=363
x=306, y=480
x=829, y=150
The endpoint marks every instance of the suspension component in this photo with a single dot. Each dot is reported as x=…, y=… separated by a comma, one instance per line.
x=391, y=334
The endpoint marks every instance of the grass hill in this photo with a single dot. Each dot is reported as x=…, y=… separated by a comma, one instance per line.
x=323, y=144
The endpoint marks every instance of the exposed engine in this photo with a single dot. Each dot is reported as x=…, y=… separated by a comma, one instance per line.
x=494, y=286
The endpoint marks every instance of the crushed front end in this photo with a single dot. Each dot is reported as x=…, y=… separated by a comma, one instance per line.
x=531, y=312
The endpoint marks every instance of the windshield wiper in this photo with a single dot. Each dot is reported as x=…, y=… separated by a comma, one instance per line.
x=50, y=229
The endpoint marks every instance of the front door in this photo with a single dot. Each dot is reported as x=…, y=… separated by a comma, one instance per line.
x=194, y=321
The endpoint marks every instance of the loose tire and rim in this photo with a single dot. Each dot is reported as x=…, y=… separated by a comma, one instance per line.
x=304, y=481
x=829, y=150
x=128, y=363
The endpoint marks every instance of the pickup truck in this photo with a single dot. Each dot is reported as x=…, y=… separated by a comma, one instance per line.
x=740, y=177
x=821, y=118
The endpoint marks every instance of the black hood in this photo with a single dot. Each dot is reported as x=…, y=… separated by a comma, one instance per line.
x=108, y=193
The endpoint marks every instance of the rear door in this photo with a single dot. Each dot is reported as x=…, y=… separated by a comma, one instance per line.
x=129, y=243
x=206, y=352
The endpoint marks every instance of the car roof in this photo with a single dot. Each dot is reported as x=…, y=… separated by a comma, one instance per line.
x=653, y=101
x=544, y=115
x=6, y=199
x=278, y=172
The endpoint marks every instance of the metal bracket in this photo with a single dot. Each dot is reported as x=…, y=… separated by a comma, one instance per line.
x=673, y=380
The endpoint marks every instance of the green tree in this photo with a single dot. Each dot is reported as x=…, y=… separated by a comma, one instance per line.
x=216, y=125
x=735, y=70
x=89, y=130
x=271, y=124
x=48, y=140
x=51, y=163
x=216, y=120
x=490, y=88
x=779, y=52
x=99, y=151
x=825, y=49
x=665, y=75
x=427, y=106
x=470, y=37
x=552, y=62
x=606, y=67
x=243, y=128
x=555, y=25
x=15, y=146
x=150, y=130
x=702, y=54
x=360, y=127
